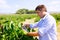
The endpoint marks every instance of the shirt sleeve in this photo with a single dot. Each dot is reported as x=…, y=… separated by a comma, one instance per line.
x=34, y=25
x=44, y=27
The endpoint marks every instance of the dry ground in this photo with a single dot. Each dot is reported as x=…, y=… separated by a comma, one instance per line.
x=58, y=31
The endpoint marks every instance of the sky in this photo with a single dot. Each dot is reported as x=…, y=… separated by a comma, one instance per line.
x=11, y=6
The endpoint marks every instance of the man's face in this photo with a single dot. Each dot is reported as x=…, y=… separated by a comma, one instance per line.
x=39, y=13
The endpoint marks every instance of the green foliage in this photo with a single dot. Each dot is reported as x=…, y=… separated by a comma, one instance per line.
x=16, y=17
x=37, y=19
x=13, y=32
x=56, y=16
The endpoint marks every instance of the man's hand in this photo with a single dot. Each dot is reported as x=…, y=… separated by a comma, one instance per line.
x=26, y=25
x=32, y=34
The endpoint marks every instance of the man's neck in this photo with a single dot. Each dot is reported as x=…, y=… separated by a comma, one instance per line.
x=43, y=15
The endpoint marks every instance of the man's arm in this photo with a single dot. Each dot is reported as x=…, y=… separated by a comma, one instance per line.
x=33, y=34
x=35, y=25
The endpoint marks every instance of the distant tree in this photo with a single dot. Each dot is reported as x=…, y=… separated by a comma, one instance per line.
x=22, y=11
x=31, y=12
x=25, y=11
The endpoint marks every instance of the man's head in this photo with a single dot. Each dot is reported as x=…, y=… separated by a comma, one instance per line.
x=40, y=10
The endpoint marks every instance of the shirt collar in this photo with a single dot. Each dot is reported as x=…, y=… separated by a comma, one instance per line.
x=44, y=16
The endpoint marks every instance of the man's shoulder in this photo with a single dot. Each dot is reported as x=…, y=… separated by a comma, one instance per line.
x=51, y=18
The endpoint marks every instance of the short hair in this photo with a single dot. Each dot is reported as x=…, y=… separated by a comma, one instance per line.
x=39, y=7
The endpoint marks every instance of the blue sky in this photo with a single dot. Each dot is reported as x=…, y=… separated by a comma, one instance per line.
x=11, y=6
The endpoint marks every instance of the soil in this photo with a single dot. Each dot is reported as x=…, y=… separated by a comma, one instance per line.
x=58, y=31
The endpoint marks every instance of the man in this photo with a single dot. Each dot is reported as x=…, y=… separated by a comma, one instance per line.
x=46, y=25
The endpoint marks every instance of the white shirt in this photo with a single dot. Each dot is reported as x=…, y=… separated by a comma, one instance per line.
x=46, y=28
